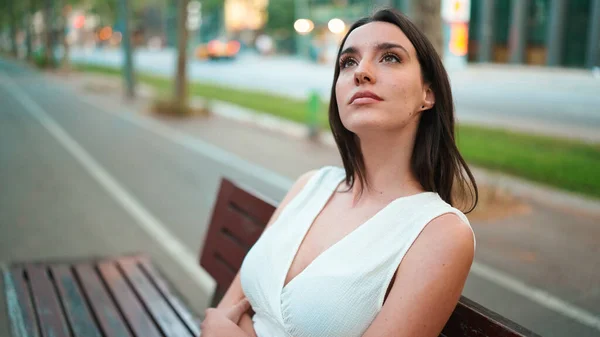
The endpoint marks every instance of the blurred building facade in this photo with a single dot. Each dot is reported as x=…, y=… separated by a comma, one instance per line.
x=324, y=41
x=558, y=33
x=537, y=32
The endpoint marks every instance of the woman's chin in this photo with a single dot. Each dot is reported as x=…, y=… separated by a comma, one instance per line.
x=368, y=129
x=365, y=122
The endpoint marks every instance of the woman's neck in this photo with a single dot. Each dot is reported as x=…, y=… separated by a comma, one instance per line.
x=388, y=165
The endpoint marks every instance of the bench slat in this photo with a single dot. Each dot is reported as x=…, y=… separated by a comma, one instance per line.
x=164, y=316
x=240, y=215
x=135, y=314
x=255, y=207
x=240, y=226
x=48, y=308
x=175, y=303
x=220, y=271
x=111, y=297
x=109, y=318
x=78, y=315
x=20, y=308
x=230, y=251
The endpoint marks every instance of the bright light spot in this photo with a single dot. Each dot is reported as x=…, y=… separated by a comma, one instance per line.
x=194, y=7
x=303, y=26
x=105, y=33
x=193, y=22
x=336, y=26
x=457, y=6
x=79, y=22
x=233, y=47
x=459, y=39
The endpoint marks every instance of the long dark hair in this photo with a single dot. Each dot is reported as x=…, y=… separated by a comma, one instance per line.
x=436, y=161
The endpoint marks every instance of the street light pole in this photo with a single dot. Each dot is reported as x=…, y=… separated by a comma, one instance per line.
x=556, y=32
x=518, y=31
x=593, y=52
x=486, y=31
x=301, y=11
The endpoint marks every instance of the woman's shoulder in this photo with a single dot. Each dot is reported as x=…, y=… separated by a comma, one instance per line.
x=316, y=177
x=435, y=206
x=438, y=213
x=312, y=179
x=302, y=181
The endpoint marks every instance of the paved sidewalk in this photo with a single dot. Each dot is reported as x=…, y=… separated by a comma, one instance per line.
x=547, y=248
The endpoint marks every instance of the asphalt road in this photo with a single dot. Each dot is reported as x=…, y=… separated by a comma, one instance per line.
x=81, y=177
x=77, y=182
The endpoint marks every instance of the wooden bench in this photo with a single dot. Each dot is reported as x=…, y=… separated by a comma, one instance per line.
x=127, y=297
x=120, y=297
x=238, y=219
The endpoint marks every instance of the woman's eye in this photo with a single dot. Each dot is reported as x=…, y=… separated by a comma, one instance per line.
x=347, y=63
x=391, y=58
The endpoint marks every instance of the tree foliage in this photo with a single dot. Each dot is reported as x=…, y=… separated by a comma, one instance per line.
x=281, y=16
x=108, y=10
x=212, y=5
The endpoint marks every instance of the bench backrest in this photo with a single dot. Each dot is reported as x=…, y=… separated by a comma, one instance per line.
x=238, y=219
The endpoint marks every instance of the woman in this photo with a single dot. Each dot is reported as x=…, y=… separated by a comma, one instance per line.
x=374, y=248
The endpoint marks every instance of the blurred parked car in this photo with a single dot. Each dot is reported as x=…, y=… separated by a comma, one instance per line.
x=218, y=49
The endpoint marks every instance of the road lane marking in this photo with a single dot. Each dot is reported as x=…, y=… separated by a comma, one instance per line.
x=159, y=232
x=536, y=295
x=199, y=146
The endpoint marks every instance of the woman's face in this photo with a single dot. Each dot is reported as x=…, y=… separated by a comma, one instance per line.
x=380, y=85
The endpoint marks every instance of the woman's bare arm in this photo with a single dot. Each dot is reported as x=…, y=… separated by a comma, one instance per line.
x=428, y=282
x=235, y=293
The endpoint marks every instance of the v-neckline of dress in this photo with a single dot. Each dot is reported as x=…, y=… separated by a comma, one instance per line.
x=284, y=287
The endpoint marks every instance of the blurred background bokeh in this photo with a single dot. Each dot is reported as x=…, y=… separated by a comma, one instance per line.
x=166, y=97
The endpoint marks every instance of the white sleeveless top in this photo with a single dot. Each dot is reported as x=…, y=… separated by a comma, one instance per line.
x=342, y=290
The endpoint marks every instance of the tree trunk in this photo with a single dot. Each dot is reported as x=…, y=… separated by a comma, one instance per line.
x=63, y=35
x=427, y=15
x=48, y=20
x=12, y=21
x=29, y=34
x=180, y=97
x=127, y=53
x=28, y=43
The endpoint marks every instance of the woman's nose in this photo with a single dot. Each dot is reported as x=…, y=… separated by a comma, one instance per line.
x=363, y=75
